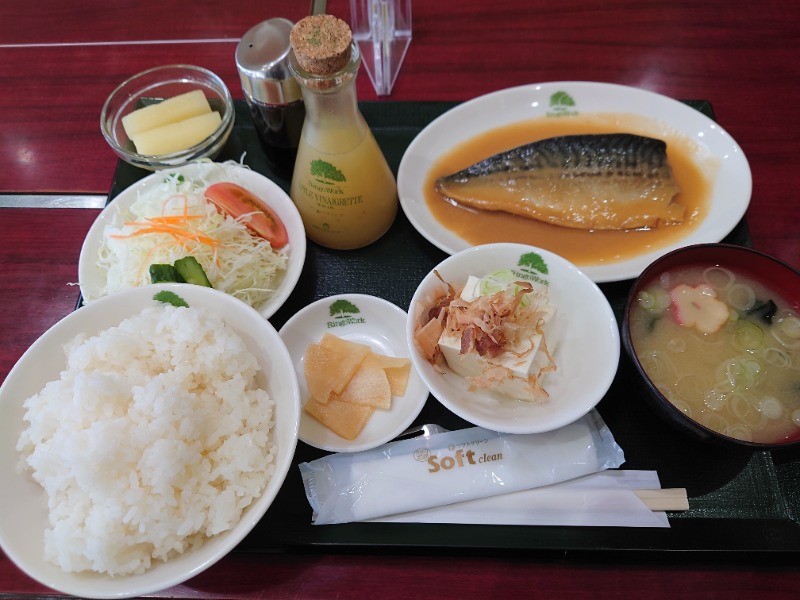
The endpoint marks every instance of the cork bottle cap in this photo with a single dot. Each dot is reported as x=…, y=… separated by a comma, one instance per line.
x=321, y=44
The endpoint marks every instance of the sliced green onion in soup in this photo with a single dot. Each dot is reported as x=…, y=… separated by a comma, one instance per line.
x=744, y=410
x=683, y=407
x=714, y=399
x=771, y=407
x=741, y=372
x=777, y=357
x=692, y=387
x=663, y=299
x=748, y=336
x=790, y=325
x=714, y=421
x=786, y=329
x=658, y=366
x=740, y=432
x=752, y=371
x=654, y=300
x=646, y=300
x=719, y=278
x=741, y=296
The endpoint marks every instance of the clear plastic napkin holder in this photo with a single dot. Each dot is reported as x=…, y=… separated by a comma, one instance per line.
x=382, y=30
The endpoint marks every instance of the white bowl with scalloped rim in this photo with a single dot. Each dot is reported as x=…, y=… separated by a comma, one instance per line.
x=587, y=344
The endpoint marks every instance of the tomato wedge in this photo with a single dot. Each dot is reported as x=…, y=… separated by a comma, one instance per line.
x=236, y=201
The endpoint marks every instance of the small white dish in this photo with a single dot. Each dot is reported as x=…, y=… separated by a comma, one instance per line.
x=715, y=149
x=92, y=278
x=24, y=515
x=378, y=324
x=586, y=353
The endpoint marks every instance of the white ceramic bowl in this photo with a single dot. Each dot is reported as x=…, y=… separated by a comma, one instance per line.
x=24, y=515
x=586, y=354
x=378, y=324
x=92, y=277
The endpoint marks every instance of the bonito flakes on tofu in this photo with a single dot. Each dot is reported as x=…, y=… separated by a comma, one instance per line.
x=492, y=332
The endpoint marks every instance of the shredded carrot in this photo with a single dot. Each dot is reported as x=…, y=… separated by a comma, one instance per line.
x=167, y=219
x=182, y=222
x=167, y=228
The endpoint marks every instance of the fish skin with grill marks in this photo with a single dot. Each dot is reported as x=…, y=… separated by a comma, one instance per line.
x=614, y=181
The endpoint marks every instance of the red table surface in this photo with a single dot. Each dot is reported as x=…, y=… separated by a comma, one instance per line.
x=60, y=60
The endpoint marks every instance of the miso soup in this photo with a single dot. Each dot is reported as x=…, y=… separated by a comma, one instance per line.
x=723, y=349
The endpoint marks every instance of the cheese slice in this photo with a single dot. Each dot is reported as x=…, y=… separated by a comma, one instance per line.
x=172, y=110
x=177, y=136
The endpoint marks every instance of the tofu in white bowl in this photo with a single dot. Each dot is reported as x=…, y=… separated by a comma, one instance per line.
x=533, y=358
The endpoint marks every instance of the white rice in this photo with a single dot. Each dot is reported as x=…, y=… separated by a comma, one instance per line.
x=154, y=438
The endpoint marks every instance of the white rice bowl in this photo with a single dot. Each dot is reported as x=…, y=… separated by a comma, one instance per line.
x=112, y=466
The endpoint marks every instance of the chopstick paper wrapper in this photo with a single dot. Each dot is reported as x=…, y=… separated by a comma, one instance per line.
x=451, y=467
x=604, y=499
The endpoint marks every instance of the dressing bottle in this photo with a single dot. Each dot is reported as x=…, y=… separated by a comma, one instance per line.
x=342, y=185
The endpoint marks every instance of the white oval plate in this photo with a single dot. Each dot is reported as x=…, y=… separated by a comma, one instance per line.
x=379, y=324
x=730, y=195
x=92, y=279
x=24, y=515
x=586, y=353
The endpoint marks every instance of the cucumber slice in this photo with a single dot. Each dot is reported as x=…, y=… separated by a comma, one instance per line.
x=163, y=273
x=192, y=271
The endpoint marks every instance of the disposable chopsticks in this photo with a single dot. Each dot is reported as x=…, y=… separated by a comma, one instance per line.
x=664, y=499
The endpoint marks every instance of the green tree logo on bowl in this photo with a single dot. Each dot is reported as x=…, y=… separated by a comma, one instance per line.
x=532, y=262
x=532, y=267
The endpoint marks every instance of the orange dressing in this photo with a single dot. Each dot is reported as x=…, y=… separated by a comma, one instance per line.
x=581, y=247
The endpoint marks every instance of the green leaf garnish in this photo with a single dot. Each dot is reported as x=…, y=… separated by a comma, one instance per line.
x=168, y=297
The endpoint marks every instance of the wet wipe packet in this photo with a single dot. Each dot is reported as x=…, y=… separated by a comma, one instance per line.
x=455, y=466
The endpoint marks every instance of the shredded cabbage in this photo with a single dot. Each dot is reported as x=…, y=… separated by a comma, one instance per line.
x=235, y=261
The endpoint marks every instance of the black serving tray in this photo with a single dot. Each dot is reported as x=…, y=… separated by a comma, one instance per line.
x=742, y=503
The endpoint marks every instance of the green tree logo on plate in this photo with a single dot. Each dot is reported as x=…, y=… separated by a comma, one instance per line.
x=344, y=313
x=561, y=99
x=343, y=308
x=561, y=105
x=325, y=170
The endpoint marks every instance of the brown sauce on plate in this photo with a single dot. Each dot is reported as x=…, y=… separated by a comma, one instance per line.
x=581, y=247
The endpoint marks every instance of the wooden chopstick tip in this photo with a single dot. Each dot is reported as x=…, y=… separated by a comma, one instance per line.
x=674, y=499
